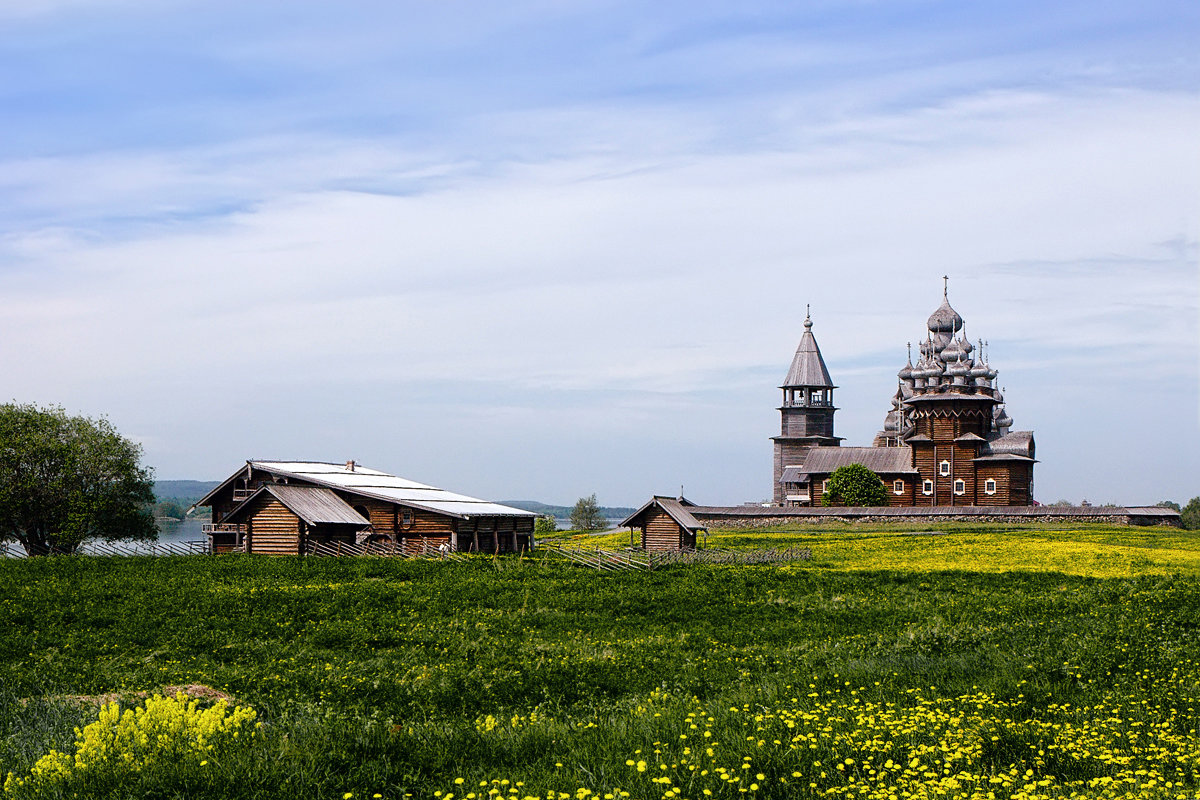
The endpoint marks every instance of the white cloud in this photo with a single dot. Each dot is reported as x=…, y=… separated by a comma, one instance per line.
x=642, y=264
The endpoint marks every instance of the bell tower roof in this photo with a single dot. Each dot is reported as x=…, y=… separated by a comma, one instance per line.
x=808, y=367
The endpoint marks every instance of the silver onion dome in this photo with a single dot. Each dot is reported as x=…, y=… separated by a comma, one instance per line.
x=945, y=320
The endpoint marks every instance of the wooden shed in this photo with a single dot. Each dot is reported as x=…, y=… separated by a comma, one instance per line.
x=280, y=519
x=666, y=524
x=287, y=506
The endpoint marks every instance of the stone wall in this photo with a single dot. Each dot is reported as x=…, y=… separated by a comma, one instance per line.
x=716, y=517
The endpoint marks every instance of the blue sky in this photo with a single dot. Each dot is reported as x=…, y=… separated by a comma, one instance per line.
x=536, y=250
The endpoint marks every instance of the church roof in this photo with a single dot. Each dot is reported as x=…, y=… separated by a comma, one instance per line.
x=808, y=368
x=881, y=460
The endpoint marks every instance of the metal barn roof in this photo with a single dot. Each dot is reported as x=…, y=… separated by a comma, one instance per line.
x=380, y=485
x=314, y=505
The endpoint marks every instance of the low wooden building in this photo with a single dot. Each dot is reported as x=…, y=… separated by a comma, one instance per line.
x=666, y=524
x=288, y=507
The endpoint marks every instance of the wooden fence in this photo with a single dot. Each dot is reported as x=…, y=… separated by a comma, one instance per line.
x=619, y=560
x=413, y=548
x=123, y=549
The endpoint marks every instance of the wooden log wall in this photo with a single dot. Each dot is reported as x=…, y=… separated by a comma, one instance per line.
x=660, y=532
x=271, y=528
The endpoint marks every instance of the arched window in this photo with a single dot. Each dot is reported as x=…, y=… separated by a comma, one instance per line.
x=960, y=486
x=944, y=468
x=989, y=486
x=927, y=487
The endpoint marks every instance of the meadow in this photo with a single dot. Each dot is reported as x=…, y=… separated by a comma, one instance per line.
x=960, y=662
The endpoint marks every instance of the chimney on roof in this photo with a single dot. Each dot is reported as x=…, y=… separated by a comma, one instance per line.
x=350, y=466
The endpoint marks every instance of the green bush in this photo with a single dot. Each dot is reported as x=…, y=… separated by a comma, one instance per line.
x=854, y=485
x=1191, y=514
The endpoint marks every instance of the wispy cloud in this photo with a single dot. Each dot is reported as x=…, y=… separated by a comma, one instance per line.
x=596, y=228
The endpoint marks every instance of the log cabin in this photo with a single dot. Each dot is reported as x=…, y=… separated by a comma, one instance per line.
x=946, y=442
x=289, y=507
x=665, y=523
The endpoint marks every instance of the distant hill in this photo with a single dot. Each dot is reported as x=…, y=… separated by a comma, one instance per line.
x=183, y=492
x=562, y=512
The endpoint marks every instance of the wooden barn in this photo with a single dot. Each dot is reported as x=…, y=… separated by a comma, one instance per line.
x=666, y=524
x=289, y=507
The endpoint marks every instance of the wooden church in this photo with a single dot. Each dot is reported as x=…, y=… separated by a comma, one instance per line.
x=947, y=440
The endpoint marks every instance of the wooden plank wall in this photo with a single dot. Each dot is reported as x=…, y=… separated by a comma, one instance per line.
x=272, y=529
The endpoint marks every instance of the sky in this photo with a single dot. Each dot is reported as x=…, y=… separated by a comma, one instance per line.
x=536, y=250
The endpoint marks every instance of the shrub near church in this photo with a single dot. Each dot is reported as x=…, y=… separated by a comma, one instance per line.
x=854, y=485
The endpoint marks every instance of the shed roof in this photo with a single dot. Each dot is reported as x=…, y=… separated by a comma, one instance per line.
x=793, y=475
x=880, y=460
x=314, y=505
x=675, y=508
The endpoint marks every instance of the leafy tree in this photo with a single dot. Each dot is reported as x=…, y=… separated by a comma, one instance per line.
x=854, y=485
x=1191, y=514
x=586, y=516
x=1171, y=504
x=545, y=524
x=171, y=509
x=64, y=480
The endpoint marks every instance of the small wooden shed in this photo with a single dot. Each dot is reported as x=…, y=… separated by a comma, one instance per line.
x=286, y=520
x=666, y=524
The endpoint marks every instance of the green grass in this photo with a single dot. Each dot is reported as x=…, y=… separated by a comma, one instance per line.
x=379, y=676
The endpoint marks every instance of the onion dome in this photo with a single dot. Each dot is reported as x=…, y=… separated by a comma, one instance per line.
x=951, y=352
x=1002, y=420
x=906, y=372
x=959, y=368
x=945, y=319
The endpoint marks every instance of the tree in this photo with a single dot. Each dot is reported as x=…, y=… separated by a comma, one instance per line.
x=854, y=485
x=1171, y=504
x=545, y=524
x=1191, y=514
x=586, y=516
x=65, y=480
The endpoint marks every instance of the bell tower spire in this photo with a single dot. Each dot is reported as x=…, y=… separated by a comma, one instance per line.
x=806, y=416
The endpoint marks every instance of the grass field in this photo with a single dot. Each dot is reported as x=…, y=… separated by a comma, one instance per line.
x=970, y=662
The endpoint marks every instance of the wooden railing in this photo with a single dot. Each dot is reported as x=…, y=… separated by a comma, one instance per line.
x=222, y=527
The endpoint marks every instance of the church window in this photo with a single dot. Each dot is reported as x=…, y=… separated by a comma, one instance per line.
x=927, y=487
x=960, y=486
x=897, y=487
x=944, y=468
x=989, y=486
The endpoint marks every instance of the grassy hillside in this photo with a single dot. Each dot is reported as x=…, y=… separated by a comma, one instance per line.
x=1044, y=663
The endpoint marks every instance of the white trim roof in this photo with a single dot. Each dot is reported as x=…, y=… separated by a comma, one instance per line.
x=384, y=486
